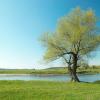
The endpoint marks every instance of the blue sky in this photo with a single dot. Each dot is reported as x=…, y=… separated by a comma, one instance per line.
x=23, y=21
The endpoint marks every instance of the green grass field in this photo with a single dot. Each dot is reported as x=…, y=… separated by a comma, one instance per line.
x=60, y=70
x=45, y=90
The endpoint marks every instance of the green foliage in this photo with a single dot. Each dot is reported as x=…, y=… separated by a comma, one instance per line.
x=45, y=90
x=77, y=33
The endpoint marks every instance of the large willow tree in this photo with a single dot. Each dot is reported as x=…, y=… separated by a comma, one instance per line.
x=76, y=36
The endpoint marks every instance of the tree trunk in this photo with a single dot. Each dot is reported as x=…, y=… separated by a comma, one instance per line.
x=73, y=75
x=72, y=67
x=72, y=70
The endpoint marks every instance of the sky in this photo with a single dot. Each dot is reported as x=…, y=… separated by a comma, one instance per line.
x=22, y=22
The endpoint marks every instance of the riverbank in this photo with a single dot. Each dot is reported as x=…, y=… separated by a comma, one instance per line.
x=50, y=71
x=46, y=90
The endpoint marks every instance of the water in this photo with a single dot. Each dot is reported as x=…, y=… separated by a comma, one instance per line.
x=87, y=78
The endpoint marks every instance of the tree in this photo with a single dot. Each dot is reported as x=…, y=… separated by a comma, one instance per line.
x=76, y=36
x=83, y=64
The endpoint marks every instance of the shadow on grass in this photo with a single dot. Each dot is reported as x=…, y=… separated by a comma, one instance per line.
x=95, y=82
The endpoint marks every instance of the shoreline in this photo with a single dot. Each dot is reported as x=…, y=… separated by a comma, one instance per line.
x=9, y=74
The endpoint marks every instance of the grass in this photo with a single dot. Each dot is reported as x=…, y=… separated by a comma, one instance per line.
x=46, y=90
x=32, y=71
x=50, y=71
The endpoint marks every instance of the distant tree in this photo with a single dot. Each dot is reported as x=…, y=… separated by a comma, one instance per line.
x=76, y=36
x=93, y=66
x=83, y=63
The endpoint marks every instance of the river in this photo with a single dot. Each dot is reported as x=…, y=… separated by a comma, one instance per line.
x=27, y=77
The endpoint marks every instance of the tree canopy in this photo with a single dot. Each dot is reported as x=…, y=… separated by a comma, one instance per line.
x=76, y=36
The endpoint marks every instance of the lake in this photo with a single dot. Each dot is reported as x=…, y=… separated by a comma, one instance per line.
x=27, y=77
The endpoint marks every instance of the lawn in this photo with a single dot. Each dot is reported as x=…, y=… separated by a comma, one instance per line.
x=47, y=90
